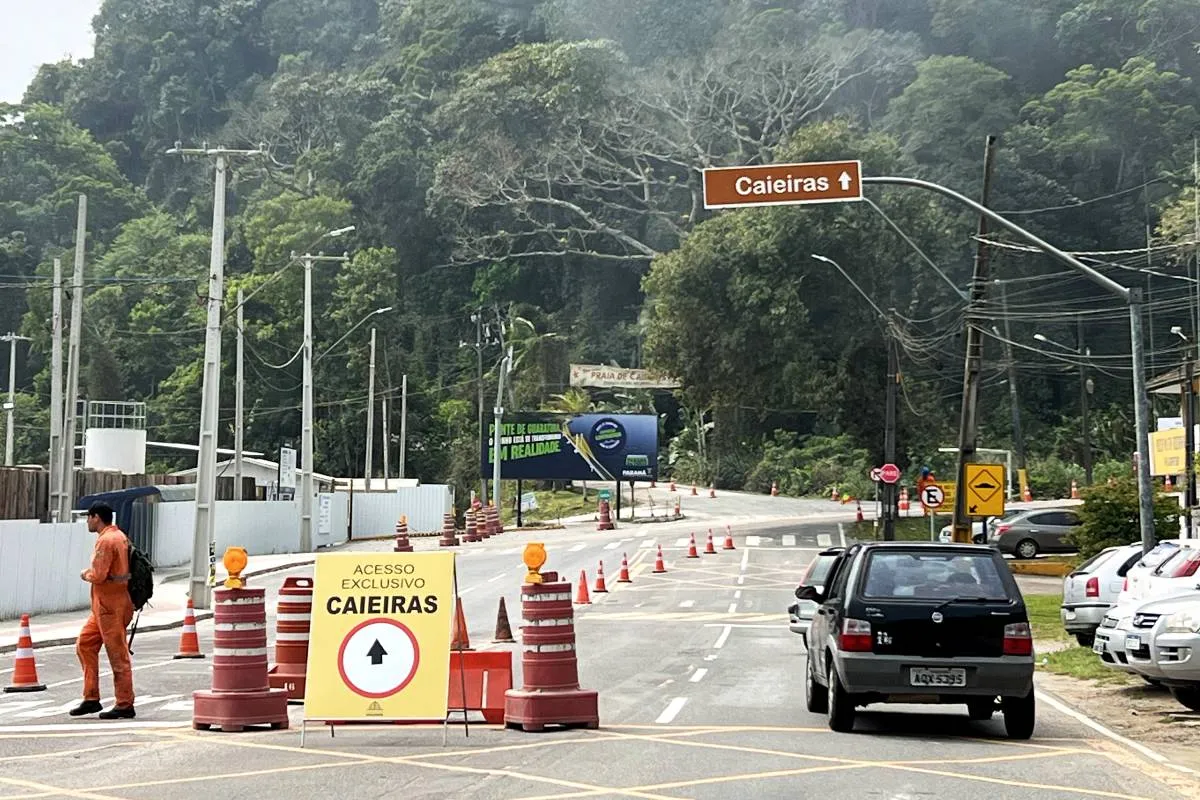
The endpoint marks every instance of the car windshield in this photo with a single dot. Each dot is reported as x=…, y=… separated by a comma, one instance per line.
x=933, y=576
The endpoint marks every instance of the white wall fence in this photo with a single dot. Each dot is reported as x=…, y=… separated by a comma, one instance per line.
x=376, y=513
x=40, y=565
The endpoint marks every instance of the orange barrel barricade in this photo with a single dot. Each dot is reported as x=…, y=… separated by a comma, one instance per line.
x=241, y=694
x=293, y=618
x=551, y=694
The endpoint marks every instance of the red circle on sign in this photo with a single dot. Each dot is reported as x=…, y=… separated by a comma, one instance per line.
x=412, y=673
x=889, y=473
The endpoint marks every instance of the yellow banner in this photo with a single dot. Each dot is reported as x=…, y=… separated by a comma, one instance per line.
x=379, y=643
x=1168, y=452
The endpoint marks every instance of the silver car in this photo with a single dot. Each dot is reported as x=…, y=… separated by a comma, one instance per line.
x=800, y=613
x=1110, y=638
x=1093, y=588
x=1150, y=620
x=1176, y=649
x=1025, y=534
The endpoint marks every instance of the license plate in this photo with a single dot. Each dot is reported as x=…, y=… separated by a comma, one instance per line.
x=1098, y=647
x=1133, y=643
x=935, y=676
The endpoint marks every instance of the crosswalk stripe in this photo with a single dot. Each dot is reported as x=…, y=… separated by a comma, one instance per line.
x=824, y=539
x=753, y=541
x=576, y=548
x=646, y=544
x=682, y=542
x=789, y=540
x=615, y=545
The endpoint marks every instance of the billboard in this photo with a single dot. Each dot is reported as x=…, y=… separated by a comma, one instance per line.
x=589, y=447
x=602, y=377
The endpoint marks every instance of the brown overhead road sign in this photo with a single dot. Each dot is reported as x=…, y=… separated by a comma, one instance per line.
x=783, y=184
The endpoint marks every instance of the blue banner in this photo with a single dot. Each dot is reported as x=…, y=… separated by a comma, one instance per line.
x=590, y=447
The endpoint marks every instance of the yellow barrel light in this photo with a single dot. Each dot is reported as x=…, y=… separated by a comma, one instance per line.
x=534, y=558
x=235, y=560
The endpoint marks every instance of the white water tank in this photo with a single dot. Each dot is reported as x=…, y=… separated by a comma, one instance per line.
x=115, y=449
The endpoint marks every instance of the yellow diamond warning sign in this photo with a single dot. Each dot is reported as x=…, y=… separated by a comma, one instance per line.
x=985, y=490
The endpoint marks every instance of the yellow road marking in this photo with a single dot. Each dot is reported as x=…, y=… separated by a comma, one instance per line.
x=706, y=781
x=1018, y=784
x=52, y=791
x=61, y=753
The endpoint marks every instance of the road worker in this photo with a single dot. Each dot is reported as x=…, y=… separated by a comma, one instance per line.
x=112, y=610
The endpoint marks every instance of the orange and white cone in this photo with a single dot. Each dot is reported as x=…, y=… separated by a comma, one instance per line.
x=692, y=548
x=671, y=485
x=709, y=550
x=1027, y=495
x=659, y=566
x=694, y=493
x=189, y=643
x=1074, y=490
x=712, y=492
x=581, y=597
x=601, y=588
x=25, y=677
x=623, y=576
x=728, y=539
x=774, y=488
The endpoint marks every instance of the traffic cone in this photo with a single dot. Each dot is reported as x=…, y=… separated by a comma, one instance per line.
x=25, y=677
x=581, y=596
x=1168, y=485
x=1027, y=495
x=692, y=548
x=659, y=566
x=694, y=494
x=774, y=489
x=728, y=539
x=678, y=512
x=503, y=629
x=189, y=643
x=623, y=577
x=709, y=550
x=712, y=492
x=1074, y=490
x=460, y=640
x=671, y=487
x=859, y=515
x=600, y=587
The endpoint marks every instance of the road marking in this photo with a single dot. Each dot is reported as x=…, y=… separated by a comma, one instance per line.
x=724, y=637
x=646, y=544
x=711, y=657
x=576, y=548
x=753, y=541
x=842, y=533
x=698, y=675
x=745, y=559
x=824, y=540
x=789, y=540
x=92, y=729
x=501, y=576
x=741, y=580
x=684, y=542
x=178, y=705
x=737, y=595
x=672, y=710
x=21, y=705
x=615, y=545
x=687, y=604
x=53, y=791
x=733, y=608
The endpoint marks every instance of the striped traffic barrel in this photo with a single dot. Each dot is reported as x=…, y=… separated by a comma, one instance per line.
x=239, y=640
x=293, y=618
x=549, y=661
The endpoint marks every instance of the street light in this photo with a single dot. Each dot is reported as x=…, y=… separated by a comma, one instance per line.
x=1189, y=457
x=1085, y=388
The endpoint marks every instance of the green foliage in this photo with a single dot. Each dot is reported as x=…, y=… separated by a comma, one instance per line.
x=1110, y=516
x=814, y=467
x=1050, y=478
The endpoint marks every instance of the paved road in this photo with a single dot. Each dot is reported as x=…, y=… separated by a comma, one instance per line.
x=700, y=691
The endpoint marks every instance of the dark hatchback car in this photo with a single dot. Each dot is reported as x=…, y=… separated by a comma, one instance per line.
x=902, y=622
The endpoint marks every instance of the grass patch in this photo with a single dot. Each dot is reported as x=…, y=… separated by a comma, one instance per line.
x=553, y=505
x=1044, y=617
x=908, y=529
x=1080, y=662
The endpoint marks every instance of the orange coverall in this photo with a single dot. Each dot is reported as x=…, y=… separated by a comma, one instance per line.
x=112, y=611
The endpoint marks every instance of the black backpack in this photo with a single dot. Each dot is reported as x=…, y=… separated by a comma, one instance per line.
x=141, y=578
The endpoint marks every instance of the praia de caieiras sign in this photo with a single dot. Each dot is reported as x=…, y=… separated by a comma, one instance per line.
x=595, y=447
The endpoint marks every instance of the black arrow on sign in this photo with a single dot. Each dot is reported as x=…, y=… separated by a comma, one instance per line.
x=376, y=653
x=971, y=510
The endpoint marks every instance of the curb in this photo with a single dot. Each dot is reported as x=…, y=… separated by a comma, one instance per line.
x=1046, y=569
x=156, y=626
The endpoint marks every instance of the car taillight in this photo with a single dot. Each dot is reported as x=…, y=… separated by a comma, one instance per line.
x=1003, y=528
x=856, y=636
x=1018, y=641
x=1125, y=585
x=1187, y=568
x=1092, y=589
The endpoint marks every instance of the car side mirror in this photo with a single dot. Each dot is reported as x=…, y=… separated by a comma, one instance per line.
x=810, y=593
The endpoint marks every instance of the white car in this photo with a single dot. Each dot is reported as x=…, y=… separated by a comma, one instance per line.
x=1137, y=577
x=1176, y=573
x=1092, y=589
x=978, y=534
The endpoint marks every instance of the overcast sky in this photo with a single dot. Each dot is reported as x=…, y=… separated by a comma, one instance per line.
x=38, y=31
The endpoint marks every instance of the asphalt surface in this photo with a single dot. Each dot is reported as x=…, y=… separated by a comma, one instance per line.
x=701, y=696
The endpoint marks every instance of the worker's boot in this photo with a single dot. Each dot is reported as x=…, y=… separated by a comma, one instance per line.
x=118, y=712
x=86, y=707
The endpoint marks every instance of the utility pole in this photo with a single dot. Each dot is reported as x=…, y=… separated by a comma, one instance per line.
x=403, y=422
x=1013, y=396
x=12, y=340
x=239, y=430
x=306, y=425
x=56, y=396
x=969, y=420
x=71, y=400
x=204, y=576
x=387, y=445
x=477, y=318
x=1085, y=354
x=499, y=419
x=1189, y=458
x=889, y=434
x=368, y=467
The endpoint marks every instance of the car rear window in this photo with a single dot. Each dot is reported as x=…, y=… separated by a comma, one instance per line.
x=1159, y=553
x=932, y=575
x=819, y=570
x=1094, y=562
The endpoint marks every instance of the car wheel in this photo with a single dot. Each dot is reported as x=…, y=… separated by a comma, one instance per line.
x=841, y=707
x=1188, y=696
x=981, y=709
x=1019, y=714
x=1085, y=639
x=816, y=696
x=1026, y=548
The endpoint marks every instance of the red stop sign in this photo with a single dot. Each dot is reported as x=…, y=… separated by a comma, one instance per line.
x=889, y=473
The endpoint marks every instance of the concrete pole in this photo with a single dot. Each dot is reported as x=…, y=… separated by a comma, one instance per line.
x=71, y=400
x=56, y=396
x=403, y=422
x=1084, y=353
x=369, y=466
x=387, y=445
x=498, y=413
x=306, y=424
x=12, y=340
x=239, y=430
x=889, y=435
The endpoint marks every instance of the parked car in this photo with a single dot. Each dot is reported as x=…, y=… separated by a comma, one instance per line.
x=907, y=622
x=1027, y=533
x=1148, y=621
x=800, y=613
x=978, y=533
x=1109, y=643
x=1175, y=574
x=1093, y=588
x=1176, y=650
x=1137, y=578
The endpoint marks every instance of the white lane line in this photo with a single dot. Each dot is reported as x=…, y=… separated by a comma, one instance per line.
x=711, y=657
x=824, y=540
x=178, y=705
x=842, y=533
x=84, y=729
x=724, y=637
x=671, y=711
x=789, y=540
x=732, y=608
x=109, y=673
x=646, y=544
x=741, y=579
x=499, y=577
x=745, y=559
x=753, y=541
x=577, y=548
x=615, y=545
x=698, y=675
x=687, y=604
x=737, y=595
x=684, y=542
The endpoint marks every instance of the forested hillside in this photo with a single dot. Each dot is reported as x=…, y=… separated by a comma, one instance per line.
x=538, y=162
